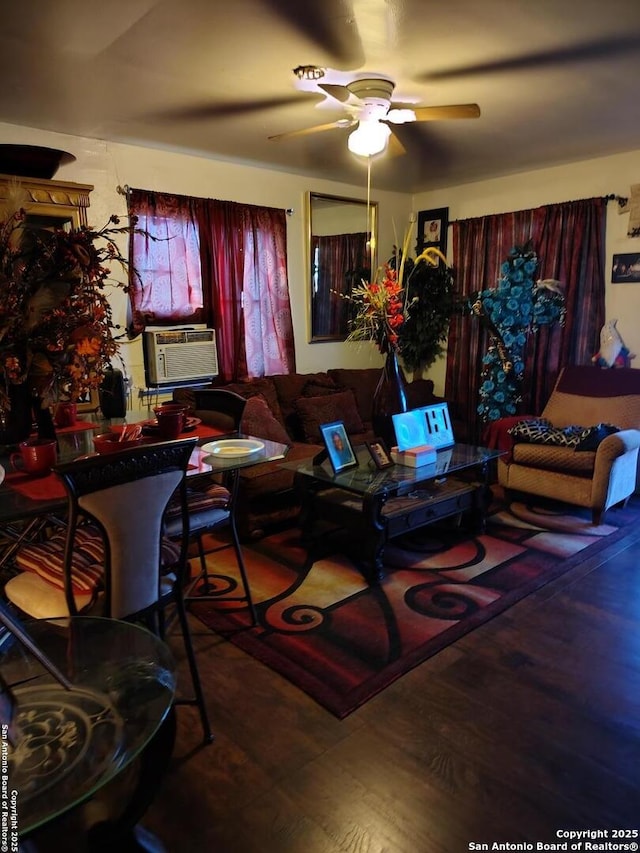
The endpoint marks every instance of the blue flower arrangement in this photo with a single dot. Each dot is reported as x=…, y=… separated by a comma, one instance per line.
x=516, y=307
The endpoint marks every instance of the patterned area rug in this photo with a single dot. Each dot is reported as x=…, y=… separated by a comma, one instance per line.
x=342, y=641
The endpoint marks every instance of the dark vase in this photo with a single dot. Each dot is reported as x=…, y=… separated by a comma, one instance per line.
x=389, y=399
x=43, y=418
x=16, y=421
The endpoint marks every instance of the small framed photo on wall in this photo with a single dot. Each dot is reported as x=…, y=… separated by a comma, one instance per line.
x=626, y=268
x=432, y=229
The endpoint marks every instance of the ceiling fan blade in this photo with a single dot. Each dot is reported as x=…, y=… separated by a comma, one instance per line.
x=209, y=110
x=395, y=148
x=447, y=112
x=340, y=93
x=589, y=52
x=319, y=128
x=328, y=25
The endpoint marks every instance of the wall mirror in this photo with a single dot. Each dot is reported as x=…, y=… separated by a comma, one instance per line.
x=341, y=240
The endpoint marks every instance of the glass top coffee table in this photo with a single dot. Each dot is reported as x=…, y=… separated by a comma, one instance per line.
x=375, y=505
x=71, y=741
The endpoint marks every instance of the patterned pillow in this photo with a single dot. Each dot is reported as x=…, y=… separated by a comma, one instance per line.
x=591, y=438
x=541, y=431
x=46, y=559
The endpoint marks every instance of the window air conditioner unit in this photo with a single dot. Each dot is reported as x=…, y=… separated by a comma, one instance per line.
x=180, y=355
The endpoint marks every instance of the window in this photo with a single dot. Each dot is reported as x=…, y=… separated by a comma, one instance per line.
x=217, y=262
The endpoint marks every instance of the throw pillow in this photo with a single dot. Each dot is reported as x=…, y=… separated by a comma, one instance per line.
x=262, y=386
x=576, y=437
x=318, y=388
x=591, y=437
x=258, y=420
x=314, y=411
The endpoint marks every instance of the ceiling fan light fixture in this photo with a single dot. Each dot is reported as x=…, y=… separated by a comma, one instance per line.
x=369, y=138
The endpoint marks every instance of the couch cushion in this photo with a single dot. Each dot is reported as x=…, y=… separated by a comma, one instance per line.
x=258, y=420
x=263, y=386
x=363, y=382
x=289, y=387
x=340, y=406
x=319, y=387
x=553, y=458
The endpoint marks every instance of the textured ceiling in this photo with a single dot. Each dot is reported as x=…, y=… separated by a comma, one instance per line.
x=556, y=80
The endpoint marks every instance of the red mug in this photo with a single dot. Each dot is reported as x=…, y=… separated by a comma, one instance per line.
x=66, y=414
x=35, y=456
x=171, y=420
x=165, y=408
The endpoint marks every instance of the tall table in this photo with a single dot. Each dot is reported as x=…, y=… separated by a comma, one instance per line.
x=376, y=505
x=26, y=503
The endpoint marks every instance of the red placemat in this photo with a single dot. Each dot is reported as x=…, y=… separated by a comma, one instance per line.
x=36, y=488
x=79, y=426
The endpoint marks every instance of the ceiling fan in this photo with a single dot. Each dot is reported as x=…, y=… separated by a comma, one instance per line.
x=372, y=113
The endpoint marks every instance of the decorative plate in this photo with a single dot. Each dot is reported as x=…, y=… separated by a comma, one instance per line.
x=1, y=474
x=233, y=448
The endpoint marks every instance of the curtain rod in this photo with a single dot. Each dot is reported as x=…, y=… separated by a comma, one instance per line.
x=126, y=191
x=622, y=201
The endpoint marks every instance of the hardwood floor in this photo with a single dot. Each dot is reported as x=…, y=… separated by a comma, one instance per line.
x=527, y=726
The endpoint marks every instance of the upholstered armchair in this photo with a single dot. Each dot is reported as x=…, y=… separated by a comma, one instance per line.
x=596, y=478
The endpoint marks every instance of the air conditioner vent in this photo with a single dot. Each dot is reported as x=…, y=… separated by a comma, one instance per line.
x=180, y=355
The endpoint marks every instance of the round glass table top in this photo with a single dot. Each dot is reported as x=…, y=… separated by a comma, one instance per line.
x=65, y=744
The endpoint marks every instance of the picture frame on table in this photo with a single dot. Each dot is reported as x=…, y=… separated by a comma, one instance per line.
x=90, y=402
x=339, y=449
x=432, y=229
x=379, y=453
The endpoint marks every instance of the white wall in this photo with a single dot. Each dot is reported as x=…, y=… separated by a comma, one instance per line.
x=107, y=165
x=599, y=177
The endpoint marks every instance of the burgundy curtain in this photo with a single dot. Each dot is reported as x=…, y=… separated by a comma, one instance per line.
x=268, y=323
x=569, y=241
x=217, y=262
x=480, y=246
x=221, y=250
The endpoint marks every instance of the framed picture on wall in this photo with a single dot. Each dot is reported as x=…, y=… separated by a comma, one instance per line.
x=432, y=229
x=626, y=268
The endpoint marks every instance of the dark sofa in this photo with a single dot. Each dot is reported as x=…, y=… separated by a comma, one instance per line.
x=289, y=408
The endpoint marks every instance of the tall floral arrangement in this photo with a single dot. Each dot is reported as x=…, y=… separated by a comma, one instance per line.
x=57, y=334
x=382, y=306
